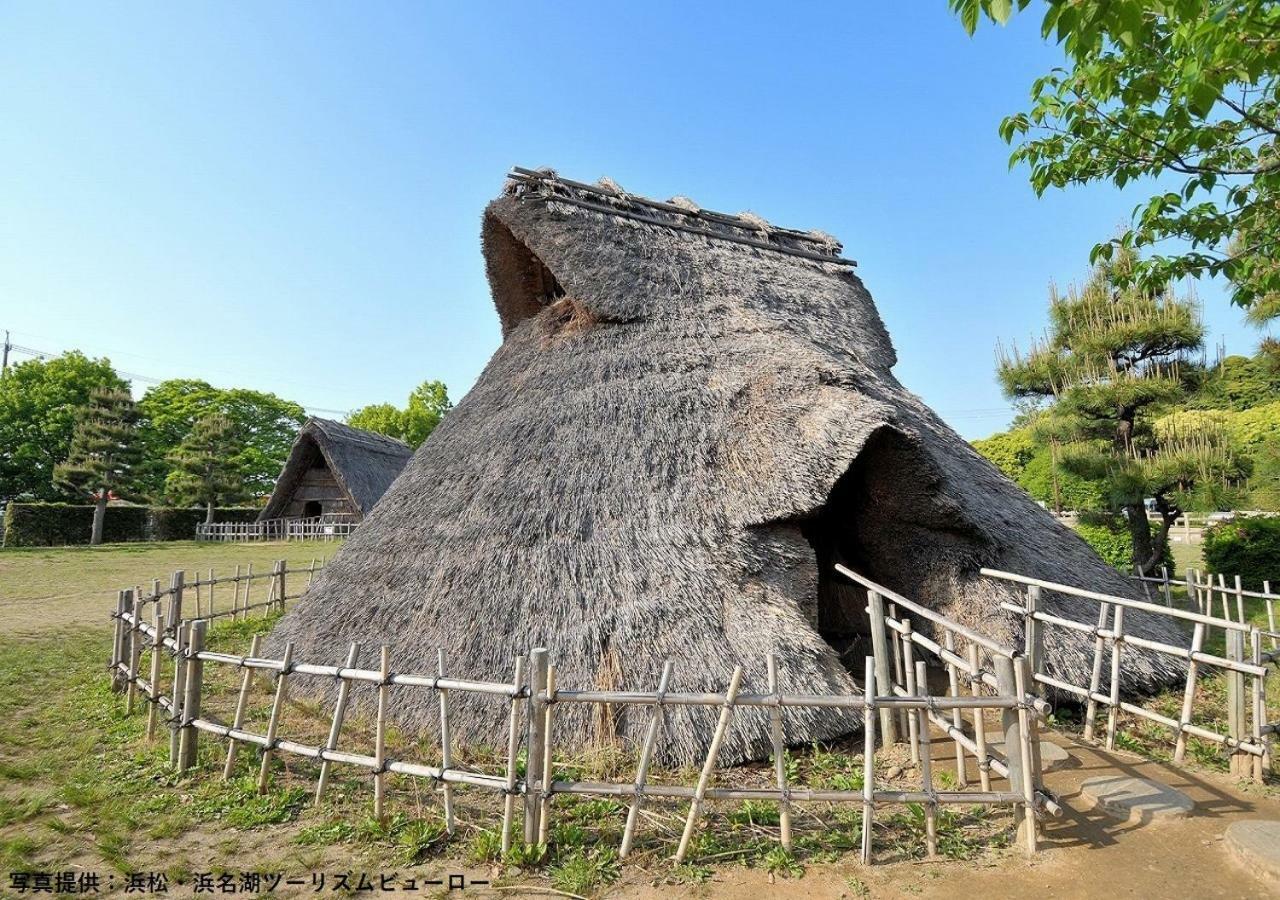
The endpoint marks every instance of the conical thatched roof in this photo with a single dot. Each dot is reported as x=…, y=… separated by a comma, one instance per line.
x=363, y=464
x=690, y=419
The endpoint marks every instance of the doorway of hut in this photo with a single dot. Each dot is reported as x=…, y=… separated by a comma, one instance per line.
x=884, y=519
x=312, y=509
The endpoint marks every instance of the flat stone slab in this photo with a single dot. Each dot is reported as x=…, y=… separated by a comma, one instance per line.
x=1052, y=757
x=1137, y=799
x=1256, y=844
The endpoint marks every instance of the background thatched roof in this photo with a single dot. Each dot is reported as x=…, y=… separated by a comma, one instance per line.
x=363, y=463
x=679, y=434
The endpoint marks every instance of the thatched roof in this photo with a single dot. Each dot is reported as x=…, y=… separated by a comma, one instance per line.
x=690, y=419
x=362, y=462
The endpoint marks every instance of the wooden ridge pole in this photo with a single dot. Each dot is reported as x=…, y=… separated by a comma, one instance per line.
x=779, y=750
x=242, y=704
x=708, y=765
x=446, y=743
x=273, y=724
x=646, y=758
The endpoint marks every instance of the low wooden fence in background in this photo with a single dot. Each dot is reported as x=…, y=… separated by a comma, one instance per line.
x=898, y=703
x=1249, y=734
x=324, y=528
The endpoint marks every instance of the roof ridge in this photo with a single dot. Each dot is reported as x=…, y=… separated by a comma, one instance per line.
x=680, y=213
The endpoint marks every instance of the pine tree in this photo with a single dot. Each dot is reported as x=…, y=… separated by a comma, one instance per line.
x=205, y=468
x=102, y=453
x=1116, y=353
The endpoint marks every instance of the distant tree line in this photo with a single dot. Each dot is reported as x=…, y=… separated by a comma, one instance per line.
x=70, y=429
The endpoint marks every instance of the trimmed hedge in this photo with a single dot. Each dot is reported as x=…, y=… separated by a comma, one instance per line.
x=1111, y=540
x=179, y=524
x=60, y=524
x=1248, y=547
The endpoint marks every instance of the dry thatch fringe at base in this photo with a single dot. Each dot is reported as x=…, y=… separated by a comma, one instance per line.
x=676, y=479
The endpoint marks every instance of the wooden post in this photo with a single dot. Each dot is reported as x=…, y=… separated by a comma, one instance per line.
x=1164, y=581
x=311, y=572
x=979, y=720
x=190, y=736
x=339, y=714
x=868, y=756
x=248, y=588
x=544, y=813
x=242, y=704
x=1007, y=686
x=513, y=748
x=380, y=737
x=1095, y=679
x=282, y=571
x=1236, y=719
x=446, y=743
x=277, y=707
x=1030, y=760
x=926, y=761
x=899, y=676
x=646, y=758
x=134, y=601
x=779, y=750
x=179, y=684
x=235, y=595
x=533, y=761
x=1259, y=704
x=914, y=735
x=1188, y=694
x=117, y=643
x=176, y=587
x=157, y=655
x=957, y=720
x=199, y=605
x=213, y=586
x=1240, y=601
x=1271, y=612
x=1192, y=592
x=1034, y=640
x=1117, y=645
x=1222, y=589
x=880, y=647
x=709, y=764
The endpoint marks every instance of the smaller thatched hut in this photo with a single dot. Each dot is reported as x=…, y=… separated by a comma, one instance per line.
x=335, y=471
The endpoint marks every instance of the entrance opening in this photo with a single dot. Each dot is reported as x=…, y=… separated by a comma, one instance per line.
x=887, y=519
x=312, y=509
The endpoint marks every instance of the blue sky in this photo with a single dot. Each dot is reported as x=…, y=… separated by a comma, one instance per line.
x=287, y=196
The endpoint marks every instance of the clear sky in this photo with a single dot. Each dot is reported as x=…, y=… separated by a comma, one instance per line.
x=287, y=196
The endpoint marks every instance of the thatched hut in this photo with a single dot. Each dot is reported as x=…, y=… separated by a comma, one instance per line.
x=335, y=472
x=691, y=417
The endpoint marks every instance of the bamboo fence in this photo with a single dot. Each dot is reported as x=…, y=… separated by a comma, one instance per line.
x=324, y=528
x=1249, y=735
x=533, y=696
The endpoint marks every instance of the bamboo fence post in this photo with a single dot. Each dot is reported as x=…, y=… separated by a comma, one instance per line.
x=979, y=720
x=153, y=696
x=1259, y=704
x=1236, y=720
x=879, y=647
x=957, y=720
x=1164, y=581
x=1095, y=678
x=135, y=650
x=1030, y=761
x=544, y=814
x=235, y=595
x=913, y=689
x=899, y=676
x=1271, y=612
x=179, y=680
x=513, y=747
x=868, y=756
x=242, y=704
x=1006, y=686
x=1188, y=694
x=311, y=572
x=536, y=721
x=1189, y=578
x=446, y=742
x=339, y=714
x=199, y=604
x=213, y=586
x=1117, y=645
x=646, y=759
x=277, y=707
x=1034, y=638
x=380, y=737
x=248, y=588
x=779, y=751
x=282, y=573
x=926, y=762
x=1222, y=589
x=709, y=764
x=190, y=736
x=117, y=643
x=1240, y=600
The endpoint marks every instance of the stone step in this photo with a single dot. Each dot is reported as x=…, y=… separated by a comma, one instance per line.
x=1137, y=799
x=1256, y=844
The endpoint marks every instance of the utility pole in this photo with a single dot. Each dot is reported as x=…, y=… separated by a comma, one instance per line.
x=4, y=366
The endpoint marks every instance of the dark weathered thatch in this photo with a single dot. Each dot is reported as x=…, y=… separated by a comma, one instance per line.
x=351, y=469
x=680, y=434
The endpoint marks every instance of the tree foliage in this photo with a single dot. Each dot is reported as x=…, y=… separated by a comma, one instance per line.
x=103, y=452
x=1165, y=89
x=205, y=466
x=427, y=405
x=39, y=400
